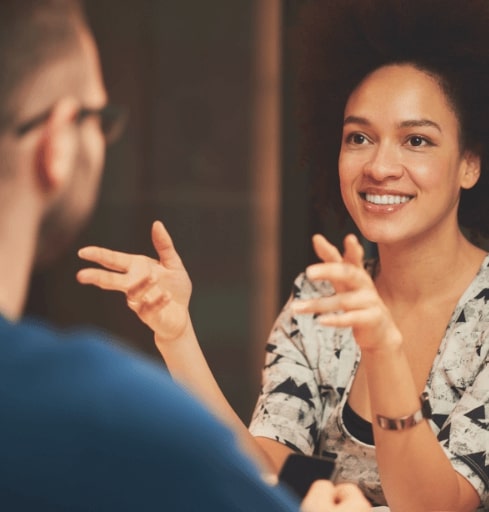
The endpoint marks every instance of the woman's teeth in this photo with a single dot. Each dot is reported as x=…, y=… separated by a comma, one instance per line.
x=386, y=199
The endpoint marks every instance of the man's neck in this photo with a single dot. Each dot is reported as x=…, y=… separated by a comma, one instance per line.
x=16, y=258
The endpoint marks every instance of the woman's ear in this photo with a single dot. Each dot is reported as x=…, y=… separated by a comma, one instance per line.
x=471, y=170
x=57, y=146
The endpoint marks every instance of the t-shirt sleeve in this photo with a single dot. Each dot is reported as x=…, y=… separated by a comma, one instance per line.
x=465, y=435
x=289, y=405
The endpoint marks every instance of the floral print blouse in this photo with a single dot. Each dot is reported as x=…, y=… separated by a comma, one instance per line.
x=309, y=370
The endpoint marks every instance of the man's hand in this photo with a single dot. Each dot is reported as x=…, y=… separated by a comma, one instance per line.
x=324, y=496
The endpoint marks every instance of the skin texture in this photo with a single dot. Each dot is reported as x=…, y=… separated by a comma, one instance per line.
x=401, y=170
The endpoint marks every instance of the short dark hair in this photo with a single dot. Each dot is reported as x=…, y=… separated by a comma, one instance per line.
x=32, y=34
x=338, y=42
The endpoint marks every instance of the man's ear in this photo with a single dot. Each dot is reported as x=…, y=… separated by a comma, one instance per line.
x=471, y=170
x=57, y=146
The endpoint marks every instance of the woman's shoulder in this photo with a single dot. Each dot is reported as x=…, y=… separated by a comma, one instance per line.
x=471, y=313
x=305, y=288
x=479, y=287
x=484, y=270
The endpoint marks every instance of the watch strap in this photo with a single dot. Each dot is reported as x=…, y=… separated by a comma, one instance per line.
x=409, y=421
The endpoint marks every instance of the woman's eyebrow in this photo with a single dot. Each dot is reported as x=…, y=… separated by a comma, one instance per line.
x=417, y=123
x=356, y=120
x=409, y=123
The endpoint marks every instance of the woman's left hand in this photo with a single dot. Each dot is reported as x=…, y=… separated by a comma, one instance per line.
x=356, y=303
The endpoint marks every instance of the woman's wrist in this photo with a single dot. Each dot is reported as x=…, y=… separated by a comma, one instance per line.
x=391, y=346
x=186, y=332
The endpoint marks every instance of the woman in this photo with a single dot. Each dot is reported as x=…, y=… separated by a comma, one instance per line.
x=363, y=350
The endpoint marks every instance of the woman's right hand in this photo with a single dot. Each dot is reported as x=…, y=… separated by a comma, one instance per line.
x=158, y=291
x=356, y=303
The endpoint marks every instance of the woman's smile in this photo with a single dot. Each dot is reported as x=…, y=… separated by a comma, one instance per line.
x=400, y=157
x=386, y=199
x=384, y=202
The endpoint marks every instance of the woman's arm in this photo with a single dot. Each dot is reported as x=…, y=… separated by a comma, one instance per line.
x=415, y=472
x=159, y=291
x=412, y=460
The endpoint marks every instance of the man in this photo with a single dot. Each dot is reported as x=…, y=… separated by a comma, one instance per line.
x=84, y=425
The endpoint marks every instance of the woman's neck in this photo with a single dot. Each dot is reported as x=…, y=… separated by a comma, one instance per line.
x=413, y=272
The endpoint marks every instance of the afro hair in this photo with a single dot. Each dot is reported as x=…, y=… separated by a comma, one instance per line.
x=336, y=43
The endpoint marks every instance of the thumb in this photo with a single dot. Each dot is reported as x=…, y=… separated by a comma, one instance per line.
x=164, y=247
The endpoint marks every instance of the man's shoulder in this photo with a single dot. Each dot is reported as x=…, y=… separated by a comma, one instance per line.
x=84, y=373
x=88, y=423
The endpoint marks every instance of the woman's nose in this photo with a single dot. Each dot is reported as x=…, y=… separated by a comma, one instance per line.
x=384, y=162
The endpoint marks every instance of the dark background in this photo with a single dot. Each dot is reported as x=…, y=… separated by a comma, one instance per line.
x=186, y=70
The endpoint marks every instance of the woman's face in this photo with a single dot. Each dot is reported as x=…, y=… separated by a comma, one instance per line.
x=400, y=164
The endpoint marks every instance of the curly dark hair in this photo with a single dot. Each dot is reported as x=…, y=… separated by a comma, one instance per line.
x=338, y=42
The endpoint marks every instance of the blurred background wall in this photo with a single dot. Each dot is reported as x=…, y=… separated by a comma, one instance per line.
x=210, y=150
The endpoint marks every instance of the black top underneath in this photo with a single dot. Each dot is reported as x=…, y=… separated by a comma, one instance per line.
x=357, y=426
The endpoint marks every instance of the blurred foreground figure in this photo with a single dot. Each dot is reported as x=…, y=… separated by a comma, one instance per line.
x=85, y=426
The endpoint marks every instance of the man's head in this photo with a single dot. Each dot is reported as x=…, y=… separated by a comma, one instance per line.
x=52, y=144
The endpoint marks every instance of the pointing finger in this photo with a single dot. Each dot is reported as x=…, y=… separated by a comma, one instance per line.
x=112, y=260
x=104, y=279
x=325, y=250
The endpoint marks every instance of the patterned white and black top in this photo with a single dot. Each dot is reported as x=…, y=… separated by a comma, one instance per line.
x=309, y=370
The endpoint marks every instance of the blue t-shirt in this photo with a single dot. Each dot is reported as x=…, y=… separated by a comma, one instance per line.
x=87, y=426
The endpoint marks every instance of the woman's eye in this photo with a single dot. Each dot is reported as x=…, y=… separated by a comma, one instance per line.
x=356, y=138
x=417, y=141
